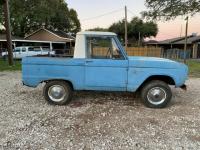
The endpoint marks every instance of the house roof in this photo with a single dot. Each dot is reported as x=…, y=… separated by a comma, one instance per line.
x=151, y=42
x=189, y=40
x=59, y=34
x=20, y=39
x=173, y=40
x=63, y=34
x=3, y=37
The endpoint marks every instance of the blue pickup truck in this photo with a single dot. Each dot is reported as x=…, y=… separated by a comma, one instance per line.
x=100, y=63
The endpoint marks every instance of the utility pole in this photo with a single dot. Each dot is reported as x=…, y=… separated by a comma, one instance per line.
x=8, y=31
x=126, y=34
x=181, y=30
x=186, y=39
x=139, y=40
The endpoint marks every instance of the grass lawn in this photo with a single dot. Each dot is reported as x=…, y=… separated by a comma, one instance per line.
x=5, y=67
x=194, y=67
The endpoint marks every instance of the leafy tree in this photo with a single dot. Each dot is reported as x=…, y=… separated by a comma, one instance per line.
x=30, y=15
x=169, y=9
x=136, y=27
x=98, y=29
x=1, y=12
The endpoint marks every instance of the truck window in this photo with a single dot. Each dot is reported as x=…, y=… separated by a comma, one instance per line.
x=17, y=49
x=30, y=49
x=103, y=48
x=23, y=49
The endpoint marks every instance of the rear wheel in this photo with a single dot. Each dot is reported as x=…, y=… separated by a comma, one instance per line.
x=57, y=92
x=156, y=94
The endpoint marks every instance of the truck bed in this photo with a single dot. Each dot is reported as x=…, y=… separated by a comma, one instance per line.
x=38, y=69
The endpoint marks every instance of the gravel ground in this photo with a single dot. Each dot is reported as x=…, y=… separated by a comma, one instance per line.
x=96, y=120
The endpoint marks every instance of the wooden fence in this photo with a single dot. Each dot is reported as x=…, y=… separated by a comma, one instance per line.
x=144, y=51
x=131, y=51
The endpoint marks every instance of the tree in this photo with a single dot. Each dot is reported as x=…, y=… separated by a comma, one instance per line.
x=136, y=28
x=1, y=12
x=30, y=15
x=170, y=9
x=99, y=29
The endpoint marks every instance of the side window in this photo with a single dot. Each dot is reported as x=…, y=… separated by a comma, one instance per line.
x=37, y=49
x=17, y=50
x=23, y=49
x=30, y=49
x=103, y=47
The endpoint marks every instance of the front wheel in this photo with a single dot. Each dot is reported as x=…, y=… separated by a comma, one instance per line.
x=57, y=92
x=156, y=94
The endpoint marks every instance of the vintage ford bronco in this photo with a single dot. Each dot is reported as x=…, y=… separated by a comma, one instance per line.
x=100, y=63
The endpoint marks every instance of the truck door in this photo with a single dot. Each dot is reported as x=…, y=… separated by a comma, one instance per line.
x=105, y=68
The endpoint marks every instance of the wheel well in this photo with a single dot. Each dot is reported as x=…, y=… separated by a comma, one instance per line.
x=66, y=81
x=166, y=79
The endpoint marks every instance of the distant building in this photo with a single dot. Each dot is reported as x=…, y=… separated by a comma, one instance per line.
x=54, y=40
x=193, y=44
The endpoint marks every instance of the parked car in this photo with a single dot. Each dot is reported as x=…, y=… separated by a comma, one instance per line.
x=20, y=52
x=2, y=50
x=100, y=63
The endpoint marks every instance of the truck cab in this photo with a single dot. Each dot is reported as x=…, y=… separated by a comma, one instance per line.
x=100, y=63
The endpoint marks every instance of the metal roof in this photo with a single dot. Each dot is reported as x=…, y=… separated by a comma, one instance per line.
x=3, y=37
x=189, y=40
x=59, y=34
x=173, y=40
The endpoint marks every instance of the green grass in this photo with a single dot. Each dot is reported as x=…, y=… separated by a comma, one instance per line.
x=194, y=67
x=5, y=67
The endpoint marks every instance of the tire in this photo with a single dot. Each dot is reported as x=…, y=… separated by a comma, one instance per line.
x=57, y=92
x=156, y=94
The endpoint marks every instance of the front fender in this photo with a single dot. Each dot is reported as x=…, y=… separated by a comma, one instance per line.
x=137, y=76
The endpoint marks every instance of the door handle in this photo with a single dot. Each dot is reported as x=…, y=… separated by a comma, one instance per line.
x=89, y=61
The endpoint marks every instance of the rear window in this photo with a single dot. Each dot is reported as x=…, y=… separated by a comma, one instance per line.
x=30, y=49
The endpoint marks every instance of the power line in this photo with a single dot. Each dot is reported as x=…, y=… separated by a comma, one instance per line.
x=131, y=12
x=109, y=13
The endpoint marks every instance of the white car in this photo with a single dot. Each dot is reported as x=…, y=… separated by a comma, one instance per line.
x=20, y=52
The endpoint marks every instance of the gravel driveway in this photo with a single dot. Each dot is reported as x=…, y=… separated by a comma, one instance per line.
x=96, y=120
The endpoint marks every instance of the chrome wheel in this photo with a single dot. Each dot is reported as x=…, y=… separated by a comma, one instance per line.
x=57, y=93
x=156, y=96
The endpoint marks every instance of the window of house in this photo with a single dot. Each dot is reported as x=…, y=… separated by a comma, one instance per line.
x=103, y=47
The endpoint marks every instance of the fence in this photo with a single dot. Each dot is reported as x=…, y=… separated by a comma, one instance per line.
x=132, y=51
x=145, y=51
x=176, y=54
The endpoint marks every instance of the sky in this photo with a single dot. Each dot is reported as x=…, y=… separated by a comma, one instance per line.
x=102, y=13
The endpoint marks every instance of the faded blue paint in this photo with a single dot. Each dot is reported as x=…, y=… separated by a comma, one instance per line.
x=101, y=74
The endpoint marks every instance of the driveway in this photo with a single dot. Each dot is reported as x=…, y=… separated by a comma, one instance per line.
x=96, y=120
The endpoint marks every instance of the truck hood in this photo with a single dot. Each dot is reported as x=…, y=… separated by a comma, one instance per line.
x=152, y=62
